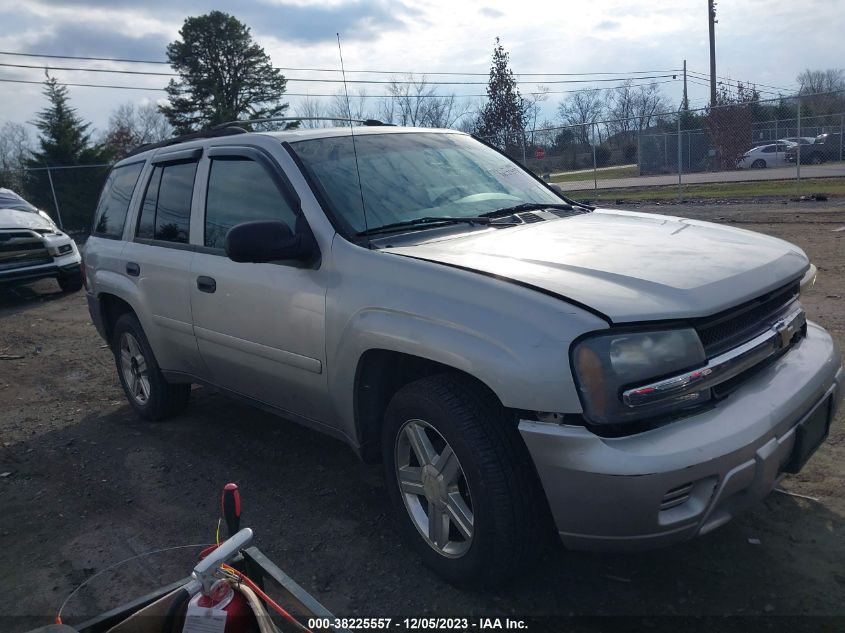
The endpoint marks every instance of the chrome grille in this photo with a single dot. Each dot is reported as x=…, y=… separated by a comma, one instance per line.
x=733, y=327
x=19, y=249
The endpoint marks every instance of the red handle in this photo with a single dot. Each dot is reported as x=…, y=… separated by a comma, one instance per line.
x=230, y=504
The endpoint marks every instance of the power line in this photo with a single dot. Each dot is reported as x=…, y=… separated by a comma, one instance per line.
x=337, y=70
x=734, y=81
x=359, y=96
x=352, y=81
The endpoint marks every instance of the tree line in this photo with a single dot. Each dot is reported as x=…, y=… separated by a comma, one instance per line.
x=225, y=76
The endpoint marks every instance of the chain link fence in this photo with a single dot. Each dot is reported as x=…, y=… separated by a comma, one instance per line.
x=776, y=141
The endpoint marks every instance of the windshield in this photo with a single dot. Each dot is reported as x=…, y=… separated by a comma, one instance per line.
x=405, y=176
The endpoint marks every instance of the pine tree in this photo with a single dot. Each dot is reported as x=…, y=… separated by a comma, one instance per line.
x=502, y=120
x=64, y=140
x=224, y=75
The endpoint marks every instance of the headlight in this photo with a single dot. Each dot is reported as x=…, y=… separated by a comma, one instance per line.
x=608, y=363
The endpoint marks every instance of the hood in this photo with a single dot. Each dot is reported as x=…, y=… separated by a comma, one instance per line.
x=627, y=266
x=18, y=219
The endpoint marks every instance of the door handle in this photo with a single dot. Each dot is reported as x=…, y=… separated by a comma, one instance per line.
x=133, y=269
x=206, y=284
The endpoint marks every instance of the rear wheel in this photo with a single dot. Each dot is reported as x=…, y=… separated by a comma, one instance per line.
x=758, y=164
x=152, y=397
x=70, y=282
x=461, y=482
x=815, y=160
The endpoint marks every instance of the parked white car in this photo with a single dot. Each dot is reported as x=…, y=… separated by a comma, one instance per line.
x=772, y=155
x=32, y=247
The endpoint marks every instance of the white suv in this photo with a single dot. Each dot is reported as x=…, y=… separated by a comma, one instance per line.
x=516, y=360
x=32, y=247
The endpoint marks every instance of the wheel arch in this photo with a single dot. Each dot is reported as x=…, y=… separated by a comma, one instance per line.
x=380, y=373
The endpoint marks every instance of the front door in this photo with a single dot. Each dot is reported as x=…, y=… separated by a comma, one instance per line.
x=260, y=328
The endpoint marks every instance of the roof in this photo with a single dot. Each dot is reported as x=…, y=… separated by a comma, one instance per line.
x=303, y=134
x=197, y=139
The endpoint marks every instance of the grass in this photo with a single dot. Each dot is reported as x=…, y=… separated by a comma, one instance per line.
x=612, y=173
x=752, y=189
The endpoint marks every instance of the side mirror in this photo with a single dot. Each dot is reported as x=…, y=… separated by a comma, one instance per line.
x=261, y=242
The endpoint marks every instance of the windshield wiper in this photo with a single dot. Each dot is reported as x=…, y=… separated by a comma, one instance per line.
x=430, y=221
x=534, y=206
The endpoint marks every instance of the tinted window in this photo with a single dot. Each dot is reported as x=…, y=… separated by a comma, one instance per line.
x=166, y=211
x=114, y=201
x=146, y=223
x=768, y=149
x=241, y=190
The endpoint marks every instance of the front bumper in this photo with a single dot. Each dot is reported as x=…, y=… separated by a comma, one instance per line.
x=624, y=493
x=62, y=264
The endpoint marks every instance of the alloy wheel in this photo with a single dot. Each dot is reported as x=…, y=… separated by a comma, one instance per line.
x=434, y=488
x=133, y=366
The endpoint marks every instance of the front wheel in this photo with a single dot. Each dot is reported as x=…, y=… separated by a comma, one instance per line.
x=758, y=164
x=70, y=282
x=461, y=482
x=146, y=389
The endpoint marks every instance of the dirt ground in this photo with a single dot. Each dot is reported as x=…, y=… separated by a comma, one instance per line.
x=85, y=484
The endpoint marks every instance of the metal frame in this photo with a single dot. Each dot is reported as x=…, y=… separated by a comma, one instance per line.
x=254, y=564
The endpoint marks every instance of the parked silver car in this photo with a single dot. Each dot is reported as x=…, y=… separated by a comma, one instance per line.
x=515, y=359
x=32, y=247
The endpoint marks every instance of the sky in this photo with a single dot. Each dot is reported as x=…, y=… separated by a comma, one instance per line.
x=767, y=42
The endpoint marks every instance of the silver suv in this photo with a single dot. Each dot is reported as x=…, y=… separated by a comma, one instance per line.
x=516, y=360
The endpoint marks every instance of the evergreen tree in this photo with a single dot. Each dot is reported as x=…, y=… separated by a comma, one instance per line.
x=502, y=120
x=64, y=140
x=224, y=75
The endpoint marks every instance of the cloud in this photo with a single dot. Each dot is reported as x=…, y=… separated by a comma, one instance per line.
x=491, y=13
x=607, y=25
x=91, y=40
x=290, y=21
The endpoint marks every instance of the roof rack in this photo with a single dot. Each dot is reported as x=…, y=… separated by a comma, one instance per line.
x=220, y=130
x=368, y=122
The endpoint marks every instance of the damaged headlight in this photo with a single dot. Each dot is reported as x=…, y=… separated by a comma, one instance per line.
x=608, y=363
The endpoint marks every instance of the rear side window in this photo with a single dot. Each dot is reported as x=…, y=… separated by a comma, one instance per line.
x=114, y=200
x=166, y=210
x=241, y=190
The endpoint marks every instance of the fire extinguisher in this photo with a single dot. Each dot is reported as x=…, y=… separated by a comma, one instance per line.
x=222, y=603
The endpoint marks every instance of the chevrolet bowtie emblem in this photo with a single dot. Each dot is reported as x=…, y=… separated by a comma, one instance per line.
x=788, y=327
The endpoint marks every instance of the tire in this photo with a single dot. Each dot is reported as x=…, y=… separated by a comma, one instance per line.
x=815, y=160
x=152, y=397
x=496, y=492
x=758, y=164
x=70, y=282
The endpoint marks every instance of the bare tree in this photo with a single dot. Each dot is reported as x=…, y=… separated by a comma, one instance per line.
x=582, y=108
x=823, y=90
x=649, y=104
x=132, y=125
x=355, y=108
x=621, y=106
x=413, y=101
x=312, y=107
x=531, y=109
x=15, y=145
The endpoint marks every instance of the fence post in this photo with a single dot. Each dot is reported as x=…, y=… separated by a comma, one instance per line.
x=593, y=144
x=639, y=151
x=524, y=162
x=55, y=200
x=680, y=158
x=798, y=152
x=841, y=133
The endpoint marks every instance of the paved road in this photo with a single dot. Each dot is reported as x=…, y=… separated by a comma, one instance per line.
x=779, y=173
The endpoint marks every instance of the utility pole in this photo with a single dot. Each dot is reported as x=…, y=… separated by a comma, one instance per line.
x=711, y=19
x=685, y=105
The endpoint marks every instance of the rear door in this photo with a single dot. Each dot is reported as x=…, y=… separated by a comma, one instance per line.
x=260, y=327
x=158, y=260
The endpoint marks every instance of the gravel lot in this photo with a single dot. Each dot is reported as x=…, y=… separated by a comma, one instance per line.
x=85, y=484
